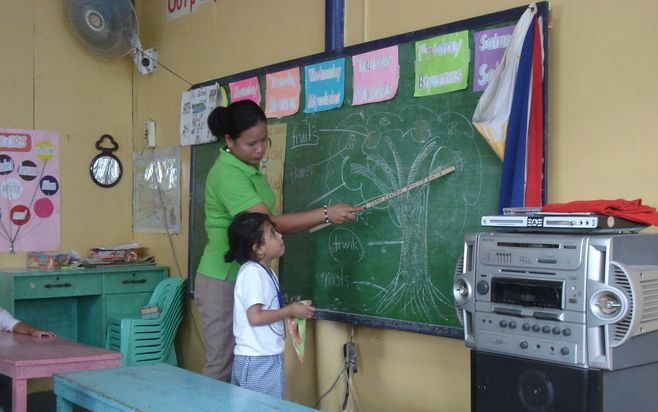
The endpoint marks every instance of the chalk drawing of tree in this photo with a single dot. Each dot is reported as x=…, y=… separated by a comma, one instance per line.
x=373, y=154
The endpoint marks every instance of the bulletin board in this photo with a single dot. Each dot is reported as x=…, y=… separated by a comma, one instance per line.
x=392, y=267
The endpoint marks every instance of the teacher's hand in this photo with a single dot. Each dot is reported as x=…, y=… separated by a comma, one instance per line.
x=339, y=214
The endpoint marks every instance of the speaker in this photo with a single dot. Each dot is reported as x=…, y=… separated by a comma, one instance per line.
x=501, y=383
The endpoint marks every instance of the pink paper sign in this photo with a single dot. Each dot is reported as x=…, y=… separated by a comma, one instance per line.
x=376, y=76
x=247, y=89
x=29, y=190
x=282, y=93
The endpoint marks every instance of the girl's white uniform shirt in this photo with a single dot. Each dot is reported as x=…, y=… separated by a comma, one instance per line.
x=255, y=286
x=7, y=322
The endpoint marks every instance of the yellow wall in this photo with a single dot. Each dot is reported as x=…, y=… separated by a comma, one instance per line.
x=602, y=139
x=49, y=82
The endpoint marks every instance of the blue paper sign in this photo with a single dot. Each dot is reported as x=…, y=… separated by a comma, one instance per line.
x=324, y=85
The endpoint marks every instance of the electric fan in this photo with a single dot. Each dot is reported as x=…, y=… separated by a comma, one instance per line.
x=109, y=28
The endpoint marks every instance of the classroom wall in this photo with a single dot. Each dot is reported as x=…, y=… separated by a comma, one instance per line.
x=600, y=114
x=49, y=82
x=602, y=140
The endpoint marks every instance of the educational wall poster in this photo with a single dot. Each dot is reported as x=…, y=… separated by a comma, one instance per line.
x=490, y=47
x=324, y=85
x=442, y=64
x=247, y=89
x=282, y=90
x=196, y=105
x=272, y=164
x=29, y=190
x=376, y=76
x=156, y=191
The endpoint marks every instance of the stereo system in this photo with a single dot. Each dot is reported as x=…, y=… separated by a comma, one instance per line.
x=583, y=300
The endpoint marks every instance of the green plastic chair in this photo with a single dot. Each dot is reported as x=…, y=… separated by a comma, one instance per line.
x=147, y=341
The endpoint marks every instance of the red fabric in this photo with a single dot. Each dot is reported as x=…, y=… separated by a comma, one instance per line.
x=627, y=209
x=535, y=156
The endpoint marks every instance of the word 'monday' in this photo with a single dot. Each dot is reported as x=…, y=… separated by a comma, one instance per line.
x=245, y=91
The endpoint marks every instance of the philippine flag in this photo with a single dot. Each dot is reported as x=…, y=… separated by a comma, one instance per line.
x=510, y=114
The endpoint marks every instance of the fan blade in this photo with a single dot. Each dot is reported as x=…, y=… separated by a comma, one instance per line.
x=106, y=27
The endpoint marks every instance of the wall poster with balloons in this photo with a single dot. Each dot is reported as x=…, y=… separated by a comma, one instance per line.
x=29, y=190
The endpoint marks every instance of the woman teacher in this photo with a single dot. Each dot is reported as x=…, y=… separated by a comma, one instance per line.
x=234, y=185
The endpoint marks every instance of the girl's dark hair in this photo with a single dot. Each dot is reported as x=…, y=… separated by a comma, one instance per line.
x=234, y=119
x=245, y=231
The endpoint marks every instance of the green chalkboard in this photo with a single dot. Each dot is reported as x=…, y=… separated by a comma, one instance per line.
x=393, y=267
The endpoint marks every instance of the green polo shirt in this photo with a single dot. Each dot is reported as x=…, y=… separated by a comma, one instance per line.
x=232, y=187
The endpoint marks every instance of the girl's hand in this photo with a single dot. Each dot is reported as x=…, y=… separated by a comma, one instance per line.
x=301, y=311
x=37, y=333
x=339, y=214
x=27, y=329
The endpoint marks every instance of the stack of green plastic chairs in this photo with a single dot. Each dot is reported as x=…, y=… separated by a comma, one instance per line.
x=147, y=341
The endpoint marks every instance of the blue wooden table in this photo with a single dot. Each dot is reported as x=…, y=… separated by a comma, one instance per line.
x=159, y=388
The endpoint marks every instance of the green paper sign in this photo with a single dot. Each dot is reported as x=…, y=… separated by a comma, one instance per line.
x=442, y=64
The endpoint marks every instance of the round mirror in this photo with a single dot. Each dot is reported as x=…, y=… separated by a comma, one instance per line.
x=106, y=170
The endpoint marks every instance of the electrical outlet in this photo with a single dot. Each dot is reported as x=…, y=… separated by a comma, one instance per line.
x=149, y=133
x=147, y=61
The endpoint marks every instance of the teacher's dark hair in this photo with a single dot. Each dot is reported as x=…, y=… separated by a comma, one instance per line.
x=235, y=119
x=244, y=232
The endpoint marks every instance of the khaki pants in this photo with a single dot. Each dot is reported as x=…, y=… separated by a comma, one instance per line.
x=215, y=300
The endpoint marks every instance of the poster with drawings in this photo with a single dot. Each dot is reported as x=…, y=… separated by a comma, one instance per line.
x=156, y=191
x=29, y=190
x=196, y=105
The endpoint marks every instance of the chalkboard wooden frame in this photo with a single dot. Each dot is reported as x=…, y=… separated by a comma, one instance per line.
x=197, y=183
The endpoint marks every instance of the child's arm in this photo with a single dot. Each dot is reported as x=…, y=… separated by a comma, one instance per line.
x=27, y=329
x=257, y=316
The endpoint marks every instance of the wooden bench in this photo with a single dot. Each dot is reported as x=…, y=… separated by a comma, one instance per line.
x=25, y=357
x=159, y=388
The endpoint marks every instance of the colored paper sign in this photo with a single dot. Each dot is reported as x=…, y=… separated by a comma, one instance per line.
x=442, y=64
x=376, y=76
x=247, y=89
x=490, y=47
x=272, y=163
x=29, y=190
x=324, y=85
x=196, y=105
x=282, y=93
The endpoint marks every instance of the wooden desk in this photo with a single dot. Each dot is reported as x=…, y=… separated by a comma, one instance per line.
x=24, y=357
x=159, y=388
x=76, y=304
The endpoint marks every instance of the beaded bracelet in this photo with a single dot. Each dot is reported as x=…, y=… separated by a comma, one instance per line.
x=326, y=215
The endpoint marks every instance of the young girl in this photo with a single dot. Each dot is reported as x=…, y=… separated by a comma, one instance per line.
x=236, y=184
x=258, y=312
